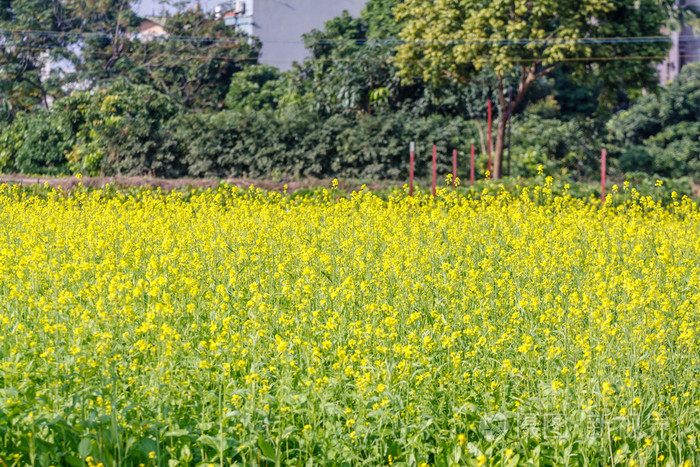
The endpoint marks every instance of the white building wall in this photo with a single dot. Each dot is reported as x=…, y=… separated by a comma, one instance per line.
x=280, y=24
x=669, y=68
x=685, y=49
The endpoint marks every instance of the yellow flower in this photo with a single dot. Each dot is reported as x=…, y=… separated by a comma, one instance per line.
x=608, y=389
x=246, y=305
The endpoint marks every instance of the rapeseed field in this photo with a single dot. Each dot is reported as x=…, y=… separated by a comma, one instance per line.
x=254, y=328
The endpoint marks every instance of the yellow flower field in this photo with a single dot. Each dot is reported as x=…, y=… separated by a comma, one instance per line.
x=246, y=327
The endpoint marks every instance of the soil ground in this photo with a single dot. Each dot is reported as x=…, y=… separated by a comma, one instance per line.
x=202, y=183
x=346, y=185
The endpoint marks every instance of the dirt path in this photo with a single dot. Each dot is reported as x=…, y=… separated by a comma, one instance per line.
x=203, y=183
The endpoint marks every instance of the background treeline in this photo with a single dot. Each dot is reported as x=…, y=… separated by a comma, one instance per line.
x=168, y=108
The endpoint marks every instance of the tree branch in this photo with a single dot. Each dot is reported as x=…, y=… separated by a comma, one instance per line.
x=501, y=96
x=547, y=70
x=463, y=80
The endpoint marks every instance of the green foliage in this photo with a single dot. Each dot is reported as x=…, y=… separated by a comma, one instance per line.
x=500, y=27
x=570, y=98
x=545, y=108
x=564, y=147
x=23, y=86
x=106, y=47
x=220, y=144
x=194, y=72
x=122, y=129
x=346, y=111
x=32, y=144
x=256, y=87
x=263, y=144
x=660, y=134
x=380, y=19
x=457, y=40
x=345, y=71
x=353, y=69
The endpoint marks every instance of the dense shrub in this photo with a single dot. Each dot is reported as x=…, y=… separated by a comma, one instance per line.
x=132, y=130
x=660, y=134
x=122, y=129
x=255, y=87
x=264, y=143
x=570, y=147
x=33, y=144
x=216, y=145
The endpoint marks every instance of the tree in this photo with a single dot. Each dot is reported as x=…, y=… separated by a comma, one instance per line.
x=25, y=52
x=660, y=134
x=123, y=129
x=258, y=87
x=33, y=144
x=530, y=39
x=197, y=61
x=103, y=27
x=352, y=66
x=193, y=64
x=345, y=71
x=381, y=23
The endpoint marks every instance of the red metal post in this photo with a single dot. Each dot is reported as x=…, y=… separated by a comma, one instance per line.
x=489, y=141
x=411, y=167
x=434, y=170
x=454, y=168
x=603, y=169
x=471, y=168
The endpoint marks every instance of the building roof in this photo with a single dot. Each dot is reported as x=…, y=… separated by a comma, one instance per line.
x=159, y=20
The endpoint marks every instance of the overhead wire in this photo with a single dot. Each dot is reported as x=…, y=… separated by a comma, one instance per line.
x=477, y=41
x=243, y=58
x=239, y=40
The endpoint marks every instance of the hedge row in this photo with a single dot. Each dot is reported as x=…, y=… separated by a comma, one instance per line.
x=133, y=130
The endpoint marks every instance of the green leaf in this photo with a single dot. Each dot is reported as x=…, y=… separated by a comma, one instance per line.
x=267, y=449
x=85, y=447
x=513, y=461
x=210, y=441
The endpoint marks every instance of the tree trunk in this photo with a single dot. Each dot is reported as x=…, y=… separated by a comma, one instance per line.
x=500, y=131
x=527, y=77
x=500, y=144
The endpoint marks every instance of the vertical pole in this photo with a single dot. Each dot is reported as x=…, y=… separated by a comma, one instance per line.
x=489, y=141
x=603, y=167
x=434, y=170
x=510, y=123
x=471, y=168
x=454, y=168
x=411, y=167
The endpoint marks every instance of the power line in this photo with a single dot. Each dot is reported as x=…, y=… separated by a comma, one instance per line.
x=476, y=41
x=378, y=60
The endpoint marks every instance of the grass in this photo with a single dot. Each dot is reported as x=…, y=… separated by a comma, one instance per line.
x=233, y=326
